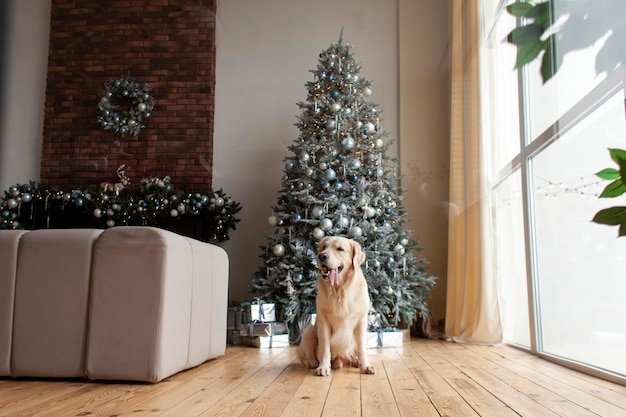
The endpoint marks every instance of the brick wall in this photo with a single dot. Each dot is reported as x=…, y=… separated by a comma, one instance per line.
x=169, y=44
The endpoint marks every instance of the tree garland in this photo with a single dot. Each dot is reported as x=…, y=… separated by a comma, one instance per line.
x=32, y=206
x=125, y=122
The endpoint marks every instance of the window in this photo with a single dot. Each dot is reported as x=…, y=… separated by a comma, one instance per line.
x=561, y=278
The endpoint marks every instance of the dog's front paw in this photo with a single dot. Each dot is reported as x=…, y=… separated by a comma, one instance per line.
x=310, y=363
x=322, y=371
x=368, y=369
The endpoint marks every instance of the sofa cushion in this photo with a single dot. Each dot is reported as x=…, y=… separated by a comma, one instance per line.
x=207, y=338
x=9, y=243
x=52, y=302
x=140, y=304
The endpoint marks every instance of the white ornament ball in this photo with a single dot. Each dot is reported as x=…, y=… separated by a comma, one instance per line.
x=344, y=221
x=272, y=220
x=348, y=143
x=389, y=291
x=370, y=211
x=317, y=211
x=404, y=242
x=141, y=106
x=355, y=231
x=378, y=143
x=219, y=202
x=278, y=249
x=367, y=91
x=318, y=233
x=304, y=156
x=27, y=197
x=12, y=203
x=174, y=213
x=110, y=223
x=97, y=213
x=354, y=163
x=335, y=107
x=399, y=249
x=330, y=124
x=326, y=224
x=330, y=174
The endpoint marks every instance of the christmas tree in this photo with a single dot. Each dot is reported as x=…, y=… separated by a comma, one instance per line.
x=340, y=181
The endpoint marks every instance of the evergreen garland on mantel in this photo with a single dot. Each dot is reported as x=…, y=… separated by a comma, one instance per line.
x=33, y=206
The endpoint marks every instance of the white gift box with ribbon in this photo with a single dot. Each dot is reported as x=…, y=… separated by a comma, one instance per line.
x=259, y=311
x=387, y=338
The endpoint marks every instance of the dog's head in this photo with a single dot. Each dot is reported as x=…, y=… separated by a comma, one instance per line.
x=336, y=255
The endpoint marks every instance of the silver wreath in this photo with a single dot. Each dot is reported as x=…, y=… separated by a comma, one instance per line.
x=128, y=122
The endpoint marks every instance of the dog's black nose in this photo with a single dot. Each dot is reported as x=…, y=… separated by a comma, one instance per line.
x=322, y=256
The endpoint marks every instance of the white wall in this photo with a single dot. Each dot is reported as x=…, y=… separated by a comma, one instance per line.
x=265, y=52
x=24, y=69
x=424, y=127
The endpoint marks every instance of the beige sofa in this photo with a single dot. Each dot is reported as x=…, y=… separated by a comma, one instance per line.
x=126, y=303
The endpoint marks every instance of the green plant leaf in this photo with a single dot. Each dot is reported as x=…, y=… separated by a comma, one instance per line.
x=541, y=13
x=608, y=174
x=519, y=9
x=611, y=216
x=528, y=52
x=530, y=33
x=548, y=67
x=618, y=155
x=614, y=189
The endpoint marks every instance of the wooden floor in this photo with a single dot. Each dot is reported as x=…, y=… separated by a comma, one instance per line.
x=423, y=378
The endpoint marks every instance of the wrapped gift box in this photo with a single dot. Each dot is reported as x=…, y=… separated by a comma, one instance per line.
x=235, y=319
x=259, y=329
x=267, y=342
x=233, y=337
x=387, y=338
x=259, y=311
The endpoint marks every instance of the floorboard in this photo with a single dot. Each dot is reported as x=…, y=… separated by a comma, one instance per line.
x=427, y=378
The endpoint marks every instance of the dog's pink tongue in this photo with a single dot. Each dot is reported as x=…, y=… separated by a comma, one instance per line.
x=333, y=277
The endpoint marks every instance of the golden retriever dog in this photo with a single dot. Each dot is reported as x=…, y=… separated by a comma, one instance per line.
x=339, y=335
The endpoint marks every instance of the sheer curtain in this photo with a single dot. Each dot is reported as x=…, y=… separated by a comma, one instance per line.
x=472, y=313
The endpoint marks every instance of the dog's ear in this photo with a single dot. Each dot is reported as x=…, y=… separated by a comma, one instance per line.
x=322, y=245
x=358, y=256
